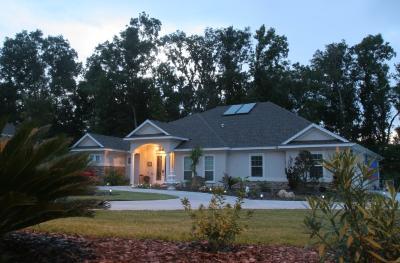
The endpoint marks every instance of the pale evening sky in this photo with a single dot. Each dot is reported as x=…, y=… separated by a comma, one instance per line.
x=308, y=24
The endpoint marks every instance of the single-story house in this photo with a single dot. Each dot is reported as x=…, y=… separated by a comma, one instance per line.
x=254, y=140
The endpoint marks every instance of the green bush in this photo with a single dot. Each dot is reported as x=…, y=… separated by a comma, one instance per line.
x=37, y=175
x=352, y=224
x=229, y=181
x=112, y=177
x=219, y=223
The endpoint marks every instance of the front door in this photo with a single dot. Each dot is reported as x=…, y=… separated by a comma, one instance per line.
x=159, y=168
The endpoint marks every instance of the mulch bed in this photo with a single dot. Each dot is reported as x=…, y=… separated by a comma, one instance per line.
x=38, y=247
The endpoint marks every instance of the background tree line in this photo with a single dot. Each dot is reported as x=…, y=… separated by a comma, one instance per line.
x=140, y=74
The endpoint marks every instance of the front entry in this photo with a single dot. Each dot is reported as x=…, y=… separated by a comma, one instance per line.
x=160, y=169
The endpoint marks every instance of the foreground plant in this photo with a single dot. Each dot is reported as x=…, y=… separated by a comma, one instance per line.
x=219, y=223
x=37, y=175
x=353, y=225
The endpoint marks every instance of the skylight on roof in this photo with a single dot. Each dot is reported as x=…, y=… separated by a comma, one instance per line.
x=239, y=109
x=233, y=109
x=246, y=108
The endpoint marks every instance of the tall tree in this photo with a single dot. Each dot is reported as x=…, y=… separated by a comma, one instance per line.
x=233, y=52
x=269, y=68
x=192, y=58
x=372, y=69
x=333, y=71
x=38, y=76
x=118, y=78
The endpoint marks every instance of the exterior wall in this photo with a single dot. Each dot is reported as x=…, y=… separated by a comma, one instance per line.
x=220, y=168
x=327, y=153
x=273, y=165
x=237, y=164
x=314, y=135
x=109, y=160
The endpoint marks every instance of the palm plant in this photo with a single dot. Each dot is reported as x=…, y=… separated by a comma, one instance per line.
x=37, y=175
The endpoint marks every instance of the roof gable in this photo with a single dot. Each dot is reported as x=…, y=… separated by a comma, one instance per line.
x=87, y=140
x=148, y=127
x=313, y=133
x=93, y=140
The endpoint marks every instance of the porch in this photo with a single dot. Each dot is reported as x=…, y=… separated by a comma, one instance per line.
x=150, y=163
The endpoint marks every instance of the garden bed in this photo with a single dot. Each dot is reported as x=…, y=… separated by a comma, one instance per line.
x=38, y=247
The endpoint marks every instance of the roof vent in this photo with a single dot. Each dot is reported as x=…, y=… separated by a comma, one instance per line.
x=222, y=125
x=239, y=109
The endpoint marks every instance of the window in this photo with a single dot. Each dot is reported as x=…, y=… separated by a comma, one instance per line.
x=317, y=170
x=187, y=168
x=256, y=165
x=209, y=168
x=95, y=158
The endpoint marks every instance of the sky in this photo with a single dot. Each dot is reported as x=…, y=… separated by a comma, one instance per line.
x=308, y=24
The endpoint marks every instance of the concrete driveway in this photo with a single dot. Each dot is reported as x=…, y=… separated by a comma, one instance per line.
x=195, y=199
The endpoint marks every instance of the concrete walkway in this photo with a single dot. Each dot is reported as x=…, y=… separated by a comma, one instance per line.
x=195, y=199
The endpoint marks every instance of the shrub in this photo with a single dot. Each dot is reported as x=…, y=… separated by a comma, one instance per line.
x=292, y=175
x=146, y=179
x=196, y=182
x=114, y=178
x=218, y=223
x=352, y=224
x=37, y=174
x=229, y=181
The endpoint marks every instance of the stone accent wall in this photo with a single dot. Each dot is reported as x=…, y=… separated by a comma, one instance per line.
x=101, y=171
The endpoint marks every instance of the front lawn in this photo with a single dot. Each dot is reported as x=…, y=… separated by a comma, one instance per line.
x=126, y=196
x=265, y=227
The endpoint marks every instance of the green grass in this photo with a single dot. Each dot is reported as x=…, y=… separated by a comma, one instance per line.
x=126, y=196
x=265, y=227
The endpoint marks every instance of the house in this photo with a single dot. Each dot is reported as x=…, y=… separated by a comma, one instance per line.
x=254, y=140
x=105, y=152
x=8, y=130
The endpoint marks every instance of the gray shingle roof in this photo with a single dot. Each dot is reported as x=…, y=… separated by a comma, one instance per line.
x=8, y=130
x=266, y=125
x=111, y=142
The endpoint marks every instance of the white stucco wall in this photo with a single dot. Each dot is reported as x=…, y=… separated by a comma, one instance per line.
x=273, y=165
x=237, y=164
x=220, y=168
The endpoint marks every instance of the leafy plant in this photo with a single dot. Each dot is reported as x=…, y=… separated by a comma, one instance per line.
x=300, y=171
x=352, y=224
x=292, y=175
x=229, y=181
x=37, y=174
x=196, y=182
x=219, y=223
x=114, y=178
x=195, y=155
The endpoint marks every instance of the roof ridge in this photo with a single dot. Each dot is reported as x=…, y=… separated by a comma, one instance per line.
x=212, y=130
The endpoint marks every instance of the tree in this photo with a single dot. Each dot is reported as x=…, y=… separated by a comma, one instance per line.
x=117, y=80
x=192, y=58
x=195, y=155
x=372, y=71
x=269, y=68
x=333, y=70
x=41, y=189
x=38, y=80
x=233, y=50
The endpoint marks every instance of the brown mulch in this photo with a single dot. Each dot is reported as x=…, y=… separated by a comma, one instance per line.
x=41, y=247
